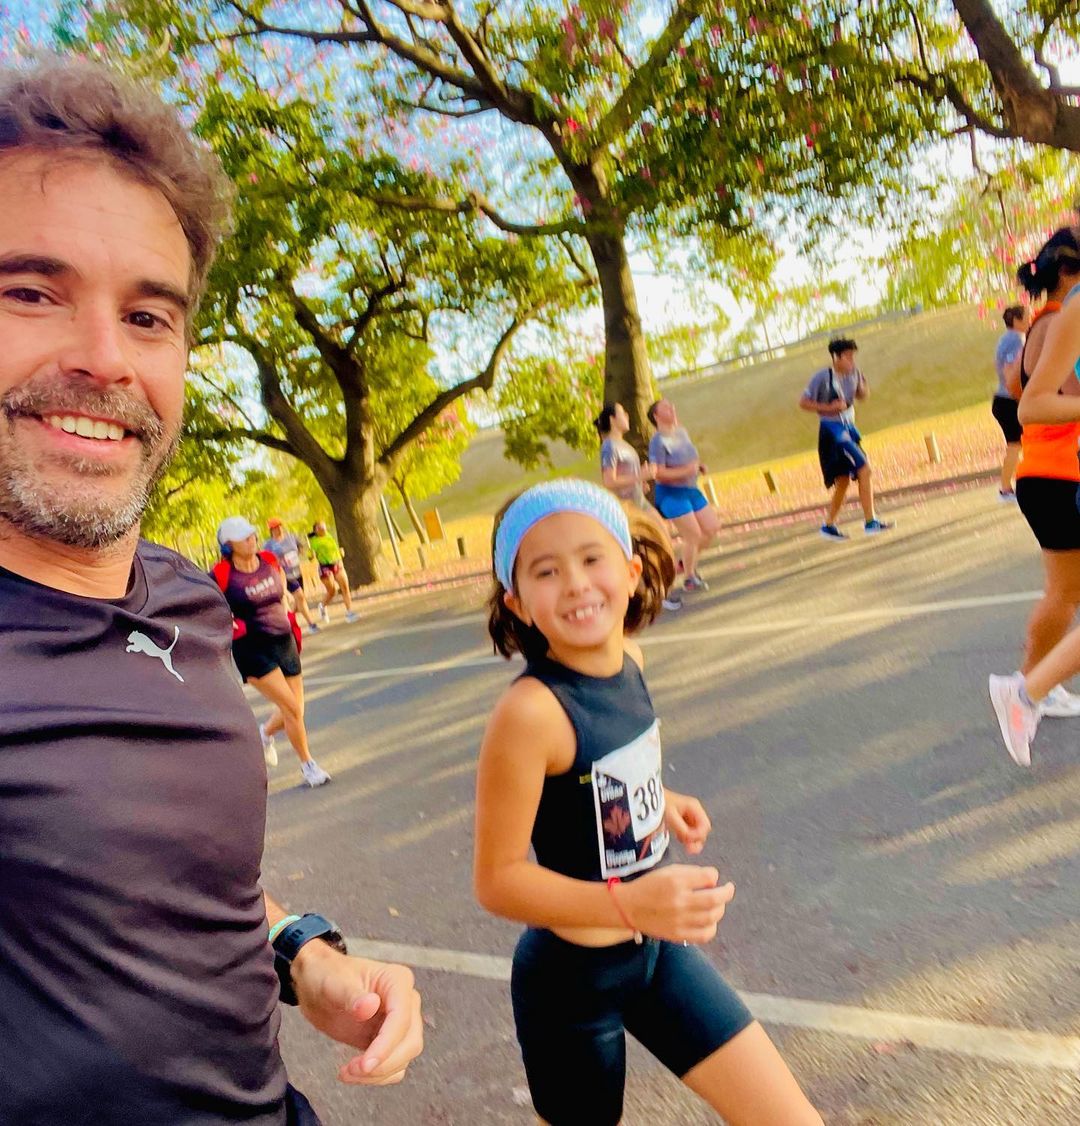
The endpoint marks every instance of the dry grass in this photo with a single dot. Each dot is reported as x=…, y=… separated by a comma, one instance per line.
x=929, y=365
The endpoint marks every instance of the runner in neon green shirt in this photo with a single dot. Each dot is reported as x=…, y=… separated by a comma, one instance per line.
x=331, y=570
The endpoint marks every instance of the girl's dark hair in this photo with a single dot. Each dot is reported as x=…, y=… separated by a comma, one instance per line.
x=1060, y=254
x=1012, y=314
x=602, y=422
x=511, y=635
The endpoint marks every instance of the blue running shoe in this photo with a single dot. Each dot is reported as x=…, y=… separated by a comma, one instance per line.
x=832, y=532
x=875, y=527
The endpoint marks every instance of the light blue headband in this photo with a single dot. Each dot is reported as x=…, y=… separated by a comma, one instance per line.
x=564, y=495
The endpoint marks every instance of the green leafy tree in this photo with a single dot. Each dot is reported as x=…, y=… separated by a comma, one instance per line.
x=320, y=333
x=594, y=126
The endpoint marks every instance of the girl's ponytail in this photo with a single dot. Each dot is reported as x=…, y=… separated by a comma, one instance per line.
x=653, y=547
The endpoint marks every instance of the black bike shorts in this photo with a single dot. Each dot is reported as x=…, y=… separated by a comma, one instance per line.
x=573, y=1005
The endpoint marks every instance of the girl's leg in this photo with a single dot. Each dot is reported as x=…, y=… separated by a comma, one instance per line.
x=329, y=587
x=1054, y=612
x=275, y=723
x=288, y=695
x=1062, y=662
x=343, y=585
x=836, y=501
x=300, y=599
x=749, y=1084
x=690, y=535
x=708, y=522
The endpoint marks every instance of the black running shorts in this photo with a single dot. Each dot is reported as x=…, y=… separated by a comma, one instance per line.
x=258, y=654
x=574, y=1004
x=1004, y=410
x=1049, y=506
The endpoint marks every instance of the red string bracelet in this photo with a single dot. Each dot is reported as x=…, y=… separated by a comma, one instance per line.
x=618, y=907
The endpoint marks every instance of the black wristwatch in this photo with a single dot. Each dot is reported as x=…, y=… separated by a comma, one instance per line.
x=289, y=941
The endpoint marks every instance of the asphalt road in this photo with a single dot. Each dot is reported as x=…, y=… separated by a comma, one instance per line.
x=907, y=900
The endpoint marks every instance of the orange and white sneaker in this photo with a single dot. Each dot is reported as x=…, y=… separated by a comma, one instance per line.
x=1017, y=716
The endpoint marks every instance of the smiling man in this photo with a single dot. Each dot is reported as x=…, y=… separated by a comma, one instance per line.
x=140, y=963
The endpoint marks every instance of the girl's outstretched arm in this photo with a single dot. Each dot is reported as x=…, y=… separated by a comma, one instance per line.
x=1040, y=401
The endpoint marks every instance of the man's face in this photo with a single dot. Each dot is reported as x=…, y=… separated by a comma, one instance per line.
x=277, y=531
x=664, y=413
x=1023, y=322
x=94, y=272
x=844, y=363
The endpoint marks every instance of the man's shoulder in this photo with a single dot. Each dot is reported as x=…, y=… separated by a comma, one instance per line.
x=162, y=563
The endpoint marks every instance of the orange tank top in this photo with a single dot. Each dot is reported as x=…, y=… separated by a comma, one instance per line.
x=1050, y=449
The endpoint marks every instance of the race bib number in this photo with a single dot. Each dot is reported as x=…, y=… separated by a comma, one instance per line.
x=629, y=795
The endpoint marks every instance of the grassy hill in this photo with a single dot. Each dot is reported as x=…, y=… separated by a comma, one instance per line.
x=922, y=367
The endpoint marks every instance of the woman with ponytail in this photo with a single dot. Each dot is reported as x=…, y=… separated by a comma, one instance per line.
x=1046, y=487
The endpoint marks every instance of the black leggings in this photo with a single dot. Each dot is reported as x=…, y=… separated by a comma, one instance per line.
x=574, y=1004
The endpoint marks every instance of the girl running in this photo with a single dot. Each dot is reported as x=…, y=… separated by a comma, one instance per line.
x=675, y=466
x=571, y=763
x=1050, y=405
x=622, y=470
x=264, y=644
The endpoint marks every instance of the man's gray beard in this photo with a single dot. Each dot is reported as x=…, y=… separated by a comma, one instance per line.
x=76, y=516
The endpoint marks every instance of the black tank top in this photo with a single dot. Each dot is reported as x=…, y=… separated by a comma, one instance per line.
x=605, y=816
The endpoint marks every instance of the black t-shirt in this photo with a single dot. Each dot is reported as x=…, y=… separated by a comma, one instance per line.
x=136, y=982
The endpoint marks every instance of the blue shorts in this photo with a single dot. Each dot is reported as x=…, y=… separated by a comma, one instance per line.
x=839, y=453
x=674, y=501
x=574, y=1004
x=293, y=585
x=298, y=1111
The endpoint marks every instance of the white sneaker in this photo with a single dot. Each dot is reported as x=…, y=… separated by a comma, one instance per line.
x=269, y=746
x=1017, y=719
x=1060, y=704
x=313, y=773
x=672, y=604
x=324, y=614
x=352, y=616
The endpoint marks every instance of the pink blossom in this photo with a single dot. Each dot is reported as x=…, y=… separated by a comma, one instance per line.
x=606, y=28
x=572, y=125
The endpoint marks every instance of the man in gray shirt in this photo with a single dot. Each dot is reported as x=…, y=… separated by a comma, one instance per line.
x=831, y=394
x=140, y=961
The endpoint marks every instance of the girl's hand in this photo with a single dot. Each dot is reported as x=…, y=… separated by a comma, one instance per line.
x=680, y=903
x=687, y=820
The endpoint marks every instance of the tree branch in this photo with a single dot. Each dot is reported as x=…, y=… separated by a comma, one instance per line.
x=637, y=94
x=482, y=381
x=475, y=202
x=229, y=434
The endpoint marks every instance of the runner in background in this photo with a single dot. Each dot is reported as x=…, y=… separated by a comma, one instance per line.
x=831, y=394
x=675, y=466
x=622, y=470
x=286, y=548
x=331, y=570
x=571, y=765
x=1007, y=366
x=1046, y=489
x=264, y=644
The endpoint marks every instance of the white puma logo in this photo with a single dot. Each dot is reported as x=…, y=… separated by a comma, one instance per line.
x=140, y=643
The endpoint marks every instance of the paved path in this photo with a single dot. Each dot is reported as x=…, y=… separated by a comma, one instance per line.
x=906, y=921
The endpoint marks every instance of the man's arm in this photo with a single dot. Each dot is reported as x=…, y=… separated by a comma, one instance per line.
x=373, y=1006
x=837, y=406
x=862, y=390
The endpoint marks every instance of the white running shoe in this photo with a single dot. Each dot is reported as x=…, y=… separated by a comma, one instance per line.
x=1017, y=719
x=313, y=773
x=324, y=614
x=672, y=604
x=352, y=616
x=269, y=746
x=1060, y=704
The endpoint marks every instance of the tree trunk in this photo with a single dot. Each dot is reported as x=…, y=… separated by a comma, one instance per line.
x=356, y=514
x=414, y=516
x=627, y=371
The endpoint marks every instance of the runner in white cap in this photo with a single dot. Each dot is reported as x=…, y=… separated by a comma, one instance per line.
x=264, y=638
